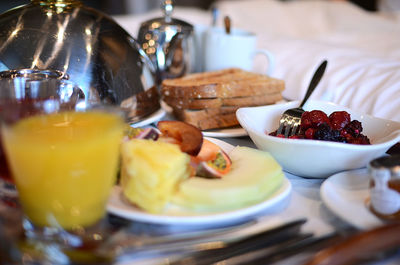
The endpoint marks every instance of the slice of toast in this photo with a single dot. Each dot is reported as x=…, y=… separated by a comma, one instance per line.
x=210, y=100
x=231, y=82
x=208, y=118
x=202, y=103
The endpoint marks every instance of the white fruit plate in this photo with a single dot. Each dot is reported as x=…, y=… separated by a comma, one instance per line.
x=117, y=205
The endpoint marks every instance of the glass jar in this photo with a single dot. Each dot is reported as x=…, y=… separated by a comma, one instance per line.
x=385, y=187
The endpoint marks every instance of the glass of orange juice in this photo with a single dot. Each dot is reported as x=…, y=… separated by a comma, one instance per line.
x=29, y=85
x=64, y=162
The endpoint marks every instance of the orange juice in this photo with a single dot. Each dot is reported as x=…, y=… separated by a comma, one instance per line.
x=64, y=165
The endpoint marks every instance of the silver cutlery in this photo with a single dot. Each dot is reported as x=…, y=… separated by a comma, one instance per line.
x=289, y=124
x=220, y=247
x=261, y=252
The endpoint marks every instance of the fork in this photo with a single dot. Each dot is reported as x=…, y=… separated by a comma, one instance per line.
x=291, y=118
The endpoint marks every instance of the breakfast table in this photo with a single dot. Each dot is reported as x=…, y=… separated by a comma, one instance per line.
x=303, y=203
x=322, y=206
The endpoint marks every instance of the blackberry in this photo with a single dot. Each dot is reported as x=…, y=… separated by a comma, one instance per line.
x=326, y=133
x=354, y=128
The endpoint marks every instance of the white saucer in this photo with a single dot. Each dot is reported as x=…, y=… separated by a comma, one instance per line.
x=226, y=132
x=346, y=194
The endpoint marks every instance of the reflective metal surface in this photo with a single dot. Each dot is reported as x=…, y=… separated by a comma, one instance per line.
x=33, y=74
x=169, y=43
x=87, y=45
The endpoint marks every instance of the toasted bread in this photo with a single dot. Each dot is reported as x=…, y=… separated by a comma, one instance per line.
x=221, y=84
x=208, y=118
x=210, y=100
x=202, y=103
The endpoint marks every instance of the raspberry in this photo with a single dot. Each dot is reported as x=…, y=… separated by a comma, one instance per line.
x=339, y=119
x=312, y=119
x=309, y=133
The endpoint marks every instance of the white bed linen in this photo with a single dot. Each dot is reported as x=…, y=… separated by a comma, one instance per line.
x=363, y=48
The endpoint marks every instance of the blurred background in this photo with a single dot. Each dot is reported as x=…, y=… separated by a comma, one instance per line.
x=120, y=7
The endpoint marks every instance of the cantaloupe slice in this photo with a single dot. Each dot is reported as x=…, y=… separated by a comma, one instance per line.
x=254, y=176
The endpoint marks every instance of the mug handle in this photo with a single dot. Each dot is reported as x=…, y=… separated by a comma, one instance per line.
x=270, y=57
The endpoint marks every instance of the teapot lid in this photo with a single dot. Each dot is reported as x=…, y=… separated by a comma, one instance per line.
x=166, y=22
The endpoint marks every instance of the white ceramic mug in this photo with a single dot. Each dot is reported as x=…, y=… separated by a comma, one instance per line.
x=237, y=49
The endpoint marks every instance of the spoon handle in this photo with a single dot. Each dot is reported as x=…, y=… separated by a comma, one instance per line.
x=314, y=81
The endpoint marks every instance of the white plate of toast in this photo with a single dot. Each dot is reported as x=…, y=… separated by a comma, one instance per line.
x=236, y=131
x=154, y=117
x=225, y=132
x=210, y=100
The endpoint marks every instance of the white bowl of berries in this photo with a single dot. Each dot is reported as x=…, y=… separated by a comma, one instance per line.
x=332, y=139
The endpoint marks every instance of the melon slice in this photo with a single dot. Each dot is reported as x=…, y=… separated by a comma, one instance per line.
x=254, y=176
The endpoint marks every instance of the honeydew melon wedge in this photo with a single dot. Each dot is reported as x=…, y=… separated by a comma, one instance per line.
x=254, y=176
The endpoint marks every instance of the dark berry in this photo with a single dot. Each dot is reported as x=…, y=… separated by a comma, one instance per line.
x=339, y=119
x=323, y=132
x=354, y=128
x=361, y=139
x=312, y=119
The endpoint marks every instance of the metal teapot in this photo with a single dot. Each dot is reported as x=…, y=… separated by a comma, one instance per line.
x=169, y=43
x=85, y=44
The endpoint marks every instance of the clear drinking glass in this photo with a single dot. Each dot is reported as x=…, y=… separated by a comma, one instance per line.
x=29, y=85
x=64, y=161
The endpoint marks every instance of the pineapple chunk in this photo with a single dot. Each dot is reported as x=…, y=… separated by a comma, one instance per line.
x=254, y=176
x=151, y=172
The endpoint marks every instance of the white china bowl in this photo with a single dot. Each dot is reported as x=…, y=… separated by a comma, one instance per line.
x=312, y=158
